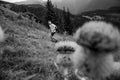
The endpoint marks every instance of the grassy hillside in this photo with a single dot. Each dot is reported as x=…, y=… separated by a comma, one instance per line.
x=27, y=52
x=39, y=12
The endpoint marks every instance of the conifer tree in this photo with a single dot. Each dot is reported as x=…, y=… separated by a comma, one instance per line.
x=67, y=22
x=50, y=14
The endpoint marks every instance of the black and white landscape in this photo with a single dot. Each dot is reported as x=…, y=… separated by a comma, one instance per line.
x=27, y=51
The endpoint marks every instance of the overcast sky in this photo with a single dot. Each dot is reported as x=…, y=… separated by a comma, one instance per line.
x=77, y=6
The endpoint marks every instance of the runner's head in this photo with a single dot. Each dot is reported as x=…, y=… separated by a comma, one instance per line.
x=49, y=22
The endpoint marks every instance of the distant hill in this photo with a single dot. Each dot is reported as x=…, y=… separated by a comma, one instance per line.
x=111, y=10
x=36, y=9
x=111, y=14
x=4, y=2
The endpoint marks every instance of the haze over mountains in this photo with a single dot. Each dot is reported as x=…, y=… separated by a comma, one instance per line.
x=78, y=6
x=31, y=2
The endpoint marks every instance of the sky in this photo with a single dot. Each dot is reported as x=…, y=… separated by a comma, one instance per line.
x=78, y=6
x=13, y=0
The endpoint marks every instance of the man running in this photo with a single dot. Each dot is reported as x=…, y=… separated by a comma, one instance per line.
x=53, y=28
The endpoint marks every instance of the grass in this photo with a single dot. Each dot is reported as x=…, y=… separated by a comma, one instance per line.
x=27, y=52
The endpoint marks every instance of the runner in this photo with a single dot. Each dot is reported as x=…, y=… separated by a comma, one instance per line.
x=53, y=28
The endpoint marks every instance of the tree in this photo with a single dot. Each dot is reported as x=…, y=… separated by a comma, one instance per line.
x=67, y=22
x=50, y=14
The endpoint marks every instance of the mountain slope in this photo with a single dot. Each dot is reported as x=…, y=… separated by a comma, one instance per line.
x=27, y=53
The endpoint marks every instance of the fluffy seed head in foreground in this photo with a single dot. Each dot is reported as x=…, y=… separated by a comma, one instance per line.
x=98, y=35
x=102, y=40
x=71, y=50
x=66, y=45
